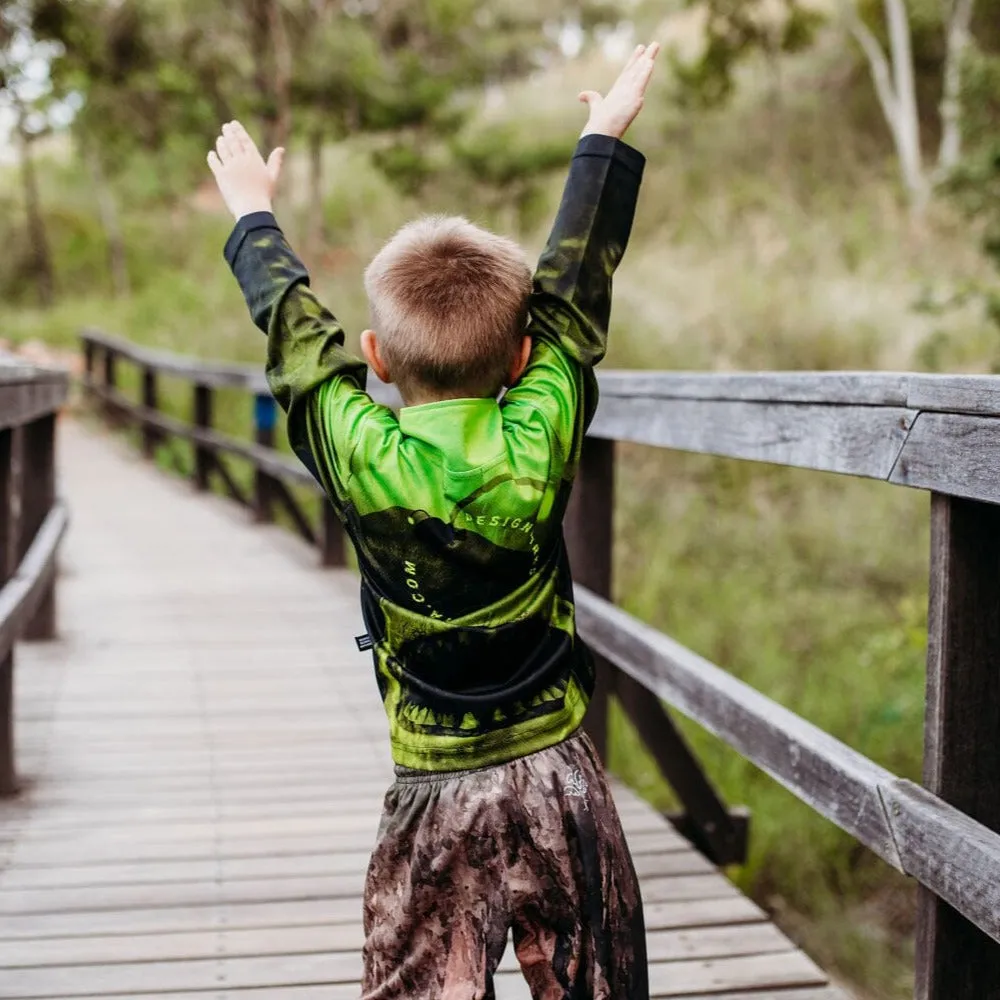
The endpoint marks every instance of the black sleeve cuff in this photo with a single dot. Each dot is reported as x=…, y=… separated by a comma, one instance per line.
x=246, y=225
x=608, y=147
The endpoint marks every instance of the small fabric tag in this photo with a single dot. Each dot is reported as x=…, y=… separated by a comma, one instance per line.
x=365, y=642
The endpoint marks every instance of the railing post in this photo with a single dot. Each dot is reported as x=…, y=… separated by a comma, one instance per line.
x=265, y=416
x=203, y=457
x=150, y=434
x=38, y=496
x=955, y=960
x=331, y=536
x=89, y=362
x=110, y=383
x=9, y=532
x=588, y=531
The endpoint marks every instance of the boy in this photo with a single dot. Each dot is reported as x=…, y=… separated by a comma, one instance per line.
x=500, y=817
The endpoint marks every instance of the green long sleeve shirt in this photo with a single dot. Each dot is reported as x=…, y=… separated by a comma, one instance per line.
x=455, y=507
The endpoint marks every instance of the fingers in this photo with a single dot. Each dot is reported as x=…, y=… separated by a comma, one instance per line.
x=224, y=150
x=274, y=164
x=214, y=163
x=647, y=65
x=239, y=137
x=590, y=97
x=636, y=55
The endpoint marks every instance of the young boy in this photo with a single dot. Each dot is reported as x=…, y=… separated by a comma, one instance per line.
x=500, y=817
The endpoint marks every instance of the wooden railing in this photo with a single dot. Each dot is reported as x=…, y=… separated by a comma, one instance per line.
x=936, y=433
x=32, y=524
x=273, y=473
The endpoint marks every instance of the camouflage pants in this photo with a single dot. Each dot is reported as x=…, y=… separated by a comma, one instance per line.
x=535, y=846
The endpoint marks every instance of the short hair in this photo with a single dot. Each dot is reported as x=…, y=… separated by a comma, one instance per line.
x=449, y=302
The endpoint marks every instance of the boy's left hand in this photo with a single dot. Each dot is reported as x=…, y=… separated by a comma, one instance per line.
x=246, y=182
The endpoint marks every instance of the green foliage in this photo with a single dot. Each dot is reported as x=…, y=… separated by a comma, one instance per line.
x=736, y=29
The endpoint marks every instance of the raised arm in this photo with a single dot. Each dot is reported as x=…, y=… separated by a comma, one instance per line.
x=314, y=379
x=571, y=304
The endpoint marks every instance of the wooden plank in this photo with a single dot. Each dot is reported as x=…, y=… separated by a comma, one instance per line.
x=834, y=388
x=943, y=393
x=589, y=537
x=272, y=462
x=151, y=873
x=667, y=978
x=200, y=823
x=745, y=972
x=22, y=594
x=712, y=828
x=955, y=960
x=954, y=393
x=209, y=974
x=209, y=373
x=884, y=813
x=30, y=395
x=680, y=861
x=152, y=920
x=855, y=440
x=668, y=945
x=954, y=454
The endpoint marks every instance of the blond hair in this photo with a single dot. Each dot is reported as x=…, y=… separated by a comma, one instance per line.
x=449, y=303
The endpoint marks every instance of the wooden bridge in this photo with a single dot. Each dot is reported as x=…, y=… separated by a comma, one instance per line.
x=198, y=785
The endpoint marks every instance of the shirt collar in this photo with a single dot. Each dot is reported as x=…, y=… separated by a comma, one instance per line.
x=468, y=429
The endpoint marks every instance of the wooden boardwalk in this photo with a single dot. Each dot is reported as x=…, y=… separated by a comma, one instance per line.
x=205, y=754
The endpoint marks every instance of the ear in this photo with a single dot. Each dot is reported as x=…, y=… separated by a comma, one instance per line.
x=520, y=362
x=370, y=349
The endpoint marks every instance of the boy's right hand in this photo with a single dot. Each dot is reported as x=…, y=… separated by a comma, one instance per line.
x=246, y=182
x=612, y=114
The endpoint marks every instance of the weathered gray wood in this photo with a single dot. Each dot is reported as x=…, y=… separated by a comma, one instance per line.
x=209, y=373
x=202, y=419
x=210, y=776
x=955, y=961
x=150, y=401
x=271, y=462
x=955, y=393
x=834, y=388
x=38, y=496
x=713, y=830
x=856, y=440
x=30, y=395
x=942, y=393
x=954, y=454
x=664, y=946
x=954, y=856
x=862, y=798
x=831, y=777
x=24, y=592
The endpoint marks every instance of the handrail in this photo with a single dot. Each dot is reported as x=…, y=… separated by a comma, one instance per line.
x=32, y=525
x=937, y=433
x=896, y=819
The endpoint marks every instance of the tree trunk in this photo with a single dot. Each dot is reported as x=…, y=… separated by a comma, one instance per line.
x=959, y=34
x=895, y=84
x=272, y=70
x=107, y=206
x=41, y=256
x=911, y=157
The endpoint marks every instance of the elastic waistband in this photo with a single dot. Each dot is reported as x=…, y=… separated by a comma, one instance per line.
x=412, y=776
